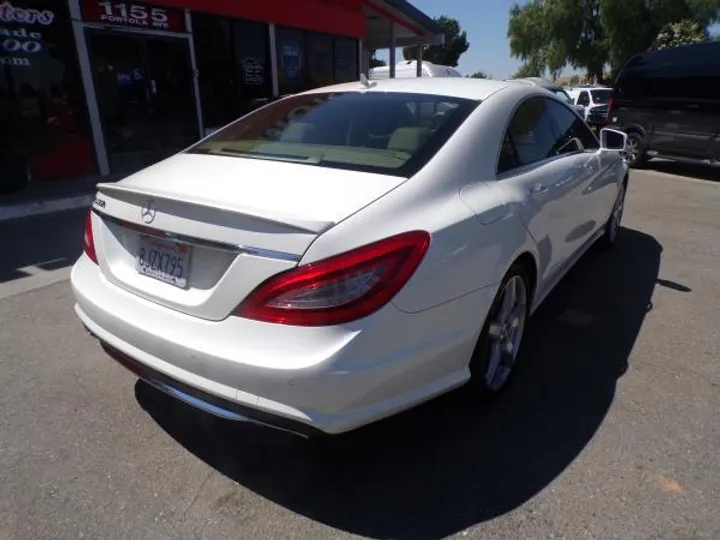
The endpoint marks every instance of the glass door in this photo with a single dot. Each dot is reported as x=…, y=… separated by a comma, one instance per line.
x=172, y=96
x=144, y=89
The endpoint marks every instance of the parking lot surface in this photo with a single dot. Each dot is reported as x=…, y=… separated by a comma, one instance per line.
x=611, y=429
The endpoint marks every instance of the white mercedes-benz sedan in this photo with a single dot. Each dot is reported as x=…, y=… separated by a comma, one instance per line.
x=346, y=253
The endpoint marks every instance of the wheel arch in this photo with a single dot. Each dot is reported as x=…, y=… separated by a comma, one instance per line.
x=528, y=262
x=636, y=128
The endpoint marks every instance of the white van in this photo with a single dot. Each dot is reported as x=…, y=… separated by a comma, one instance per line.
x=408, y=69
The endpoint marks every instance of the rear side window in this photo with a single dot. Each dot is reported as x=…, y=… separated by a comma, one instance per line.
x=682, y=74
x=530, y=137
x=541, y=129
x=573, y=135
x=601, y=97
x=387, y=133
x=691, y=81
x=631, y=84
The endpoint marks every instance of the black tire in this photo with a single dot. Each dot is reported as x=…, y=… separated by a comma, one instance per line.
x=614, y=222
x=478, y=385
x=637, y=158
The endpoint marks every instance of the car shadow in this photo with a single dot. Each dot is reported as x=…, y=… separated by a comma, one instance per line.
x=700, y=172
x=452, y=463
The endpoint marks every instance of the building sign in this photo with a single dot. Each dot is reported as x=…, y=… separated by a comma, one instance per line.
x=291, y=62
x=21, y=35
x=253, y=70
x=134, y=14
x=11, y=14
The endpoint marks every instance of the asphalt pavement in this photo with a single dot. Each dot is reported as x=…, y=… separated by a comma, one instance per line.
x=611, y=429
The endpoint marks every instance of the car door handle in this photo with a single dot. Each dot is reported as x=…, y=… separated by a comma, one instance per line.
x=538, y=189
x=587, y=168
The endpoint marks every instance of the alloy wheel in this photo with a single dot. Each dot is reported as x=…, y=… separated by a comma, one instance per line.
x=632, y=150
x=505, y=332
x=617, y=214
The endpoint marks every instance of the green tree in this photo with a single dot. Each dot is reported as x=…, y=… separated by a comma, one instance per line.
x=590, y=34
x=375, y=61
x=529, y=69
x=680, y=33
x=456, y=44
x=550, y=34
x=480, y=74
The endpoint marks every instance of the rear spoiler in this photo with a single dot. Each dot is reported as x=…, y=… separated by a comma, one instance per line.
x=302, y=225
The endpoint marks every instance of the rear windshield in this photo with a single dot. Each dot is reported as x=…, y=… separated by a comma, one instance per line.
x=388, y=133
x=601, y=96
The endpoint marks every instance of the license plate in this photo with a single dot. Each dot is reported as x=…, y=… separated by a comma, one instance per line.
x=164, y=260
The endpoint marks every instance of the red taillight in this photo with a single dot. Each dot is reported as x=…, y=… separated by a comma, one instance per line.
x=610, y=106
x=340, y=289
x=88, y=240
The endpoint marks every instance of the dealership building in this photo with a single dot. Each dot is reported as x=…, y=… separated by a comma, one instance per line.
x=91, y=86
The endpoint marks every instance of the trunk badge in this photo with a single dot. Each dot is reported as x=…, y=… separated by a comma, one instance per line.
x=148, y=211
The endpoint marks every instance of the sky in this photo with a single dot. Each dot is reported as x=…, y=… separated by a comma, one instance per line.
x=486, y=28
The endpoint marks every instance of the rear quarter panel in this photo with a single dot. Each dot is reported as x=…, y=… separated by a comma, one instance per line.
x=472, y=244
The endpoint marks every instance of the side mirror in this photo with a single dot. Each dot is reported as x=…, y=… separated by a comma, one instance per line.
x=612, y=139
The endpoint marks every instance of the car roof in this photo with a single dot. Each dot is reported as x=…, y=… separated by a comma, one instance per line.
x=692, y=52
x=459, y=87
x=535, y=81
x=588, y=88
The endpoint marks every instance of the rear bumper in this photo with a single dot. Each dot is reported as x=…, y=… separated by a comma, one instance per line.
x=209, y=403
x=304, y=380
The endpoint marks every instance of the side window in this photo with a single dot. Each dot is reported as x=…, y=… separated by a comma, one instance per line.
x=632, y=83
x=531, y=132
x=572, y=133
x=584, y=99
x=530, y=136
x=508, y=157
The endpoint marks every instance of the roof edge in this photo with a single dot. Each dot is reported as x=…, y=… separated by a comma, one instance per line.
x=419, y=18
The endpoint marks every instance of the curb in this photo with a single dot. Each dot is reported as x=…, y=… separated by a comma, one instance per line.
x=37, y=208
x=675, y=176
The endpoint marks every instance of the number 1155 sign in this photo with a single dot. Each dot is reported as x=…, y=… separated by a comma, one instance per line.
x=134, y=14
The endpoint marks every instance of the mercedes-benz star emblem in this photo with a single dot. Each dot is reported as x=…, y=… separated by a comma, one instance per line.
x=148, y=211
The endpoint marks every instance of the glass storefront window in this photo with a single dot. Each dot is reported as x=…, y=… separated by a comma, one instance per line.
x=320, y=60
x=290, y=45
x=41, y=94
x=346, y=60
x=233, y=58
x=145, y=94
x=216, y=76
x=252, y=64
x=309, y=59
x=233, y=65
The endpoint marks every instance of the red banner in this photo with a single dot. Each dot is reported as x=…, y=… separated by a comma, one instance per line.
x=134, y=14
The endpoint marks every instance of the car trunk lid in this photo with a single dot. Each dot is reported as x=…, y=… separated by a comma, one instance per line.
x=198, y=233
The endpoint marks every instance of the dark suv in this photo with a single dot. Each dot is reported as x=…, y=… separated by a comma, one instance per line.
x=668, y=102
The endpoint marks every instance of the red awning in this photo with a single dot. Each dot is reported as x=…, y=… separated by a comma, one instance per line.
x=339, y=17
